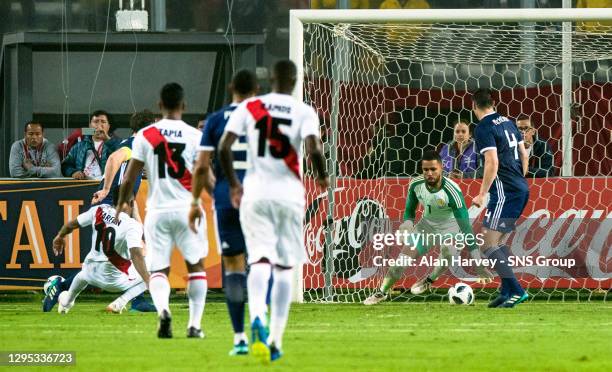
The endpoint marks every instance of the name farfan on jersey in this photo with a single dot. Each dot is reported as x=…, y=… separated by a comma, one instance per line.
x=278, y=108
x=110, y=219
x=171, y=133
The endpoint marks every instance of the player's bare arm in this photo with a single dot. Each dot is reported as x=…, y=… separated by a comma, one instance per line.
x=136, y=253
x=490, y=171
x=113, y=163
x=524, y=158
x=226, y=158
x=314, y=149
x=58, y=241
x=133, y=170
x=201, y=179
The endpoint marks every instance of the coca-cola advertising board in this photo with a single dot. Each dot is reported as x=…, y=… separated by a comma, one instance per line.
x=562, y=238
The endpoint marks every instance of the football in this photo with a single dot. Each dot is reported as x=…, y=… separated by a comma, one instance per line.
x=50, y=281
x=461, y=294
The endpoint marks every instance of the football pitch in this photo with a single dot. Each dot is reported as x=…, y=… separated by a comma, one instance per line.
x=553, y=336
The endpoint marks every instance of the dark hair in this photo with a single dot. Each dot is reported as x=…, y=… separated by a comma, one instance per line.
x=244, y=82
x=172, y=96
x=285, y=71
x=141, y=119
x=99, y=113
x=523, y=117
x=32, y=122
x=431, y=155
x=483, y=98
x=115, y=195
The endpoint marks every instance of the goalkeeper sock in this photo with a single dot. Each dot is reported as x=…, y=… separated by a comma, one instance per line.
x=235, y=286
x=257, y=288
x=279, y=305
x=159, y=288
x=393, y=275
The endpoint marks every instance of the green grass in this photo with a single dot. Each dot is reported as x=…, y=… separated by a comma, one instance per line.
x=557, y=336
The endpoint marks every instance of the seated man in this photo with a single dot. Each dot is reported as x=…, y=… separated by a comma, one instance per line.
x=34, y=156
x=541, y=158
x=87, y=158
x=116, y=245
x=97, y=118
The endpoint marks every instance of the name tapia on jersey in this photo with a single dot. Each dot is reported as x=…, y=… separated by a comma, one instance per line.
x=168, y=149
x=275, y=126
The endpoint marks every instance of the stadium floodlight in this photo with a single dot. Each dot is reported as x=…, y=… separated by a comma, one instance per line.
x=389, y=83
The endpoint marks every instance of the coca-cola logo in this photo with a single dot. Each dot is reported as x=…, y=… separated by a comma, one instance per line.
x=346, y=235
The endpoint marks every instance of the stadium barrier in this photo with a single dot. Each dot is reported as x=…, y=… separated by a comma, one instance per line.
x=32, y=212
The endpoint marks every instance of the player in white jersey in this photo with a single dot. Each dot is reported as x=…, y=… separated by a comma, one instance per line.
x=116, y=244
x=272, y=207
x=168, y=150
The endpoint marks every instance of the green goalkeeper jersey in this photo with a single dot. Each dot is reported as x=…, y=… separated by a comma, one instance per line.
x=442, y=207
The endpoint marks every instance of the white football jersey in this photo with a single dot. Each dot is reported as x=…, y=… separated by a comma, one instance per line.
x=275, y=126
x=168, y=149
x=111, y=240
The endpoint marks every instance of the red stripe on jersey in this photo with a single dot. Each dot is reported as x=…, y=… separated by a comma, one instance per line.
x=108, y=248
x=259, y=112
x=197, y=277
x=155, y=138
x=158, y=274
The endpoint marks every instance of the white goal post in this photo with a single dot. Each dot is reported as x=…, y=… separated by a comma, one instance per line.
x=353, y=46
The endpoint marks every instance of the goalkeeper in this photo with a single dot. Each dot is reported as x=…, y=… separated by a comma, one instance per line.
x=444, y=214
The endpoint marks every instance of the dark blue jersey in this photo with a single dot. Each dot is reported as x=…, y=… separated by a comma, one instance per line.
x=213, y=131
x=497, y=132
x=118, y=179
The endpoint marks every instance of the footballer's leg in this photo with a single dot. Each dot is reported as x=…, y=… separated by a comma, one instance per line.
x=66, y=298
x=197, y=285
x=410, y=251
x=158, y=237
x=233, y=250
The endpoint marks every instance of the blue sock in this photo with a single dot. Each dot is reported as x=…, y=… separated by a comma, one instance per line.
x=510, y=285
x=235, y=287
x=65, y=285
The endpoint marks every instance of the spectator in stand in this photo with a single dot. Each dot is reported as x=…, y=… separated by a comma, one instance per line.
x=87, y=158
x=541, y=159
x=97, y=118
x=34, y=156
x=459, y=157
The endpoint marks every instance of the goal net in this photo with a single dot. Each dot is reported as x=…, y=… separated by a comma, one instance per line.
x=388, y=90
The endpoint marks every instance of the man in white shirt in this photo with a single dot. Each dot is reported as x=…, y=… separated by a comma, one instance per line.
x=272, y=208
x=168, y=149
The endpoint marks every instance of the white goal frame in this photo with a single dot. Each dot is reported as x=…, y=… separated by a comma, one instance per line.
x=567, y=15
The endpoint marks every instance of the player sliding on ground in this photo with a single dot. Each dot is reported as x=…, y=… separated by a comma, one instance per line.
x=505, y=166
x=444, y=212
x=116, y=244
x=272, y=209
x=233, y=248
x=168, y=149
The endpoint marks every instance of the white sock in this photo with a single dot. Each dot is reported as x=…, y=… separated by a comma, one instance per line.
x=279, y=303
x=240, y=337
x=78, y=284
x=159, y=288
x=196, y=290
x=257, y=288
x=127, y=296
